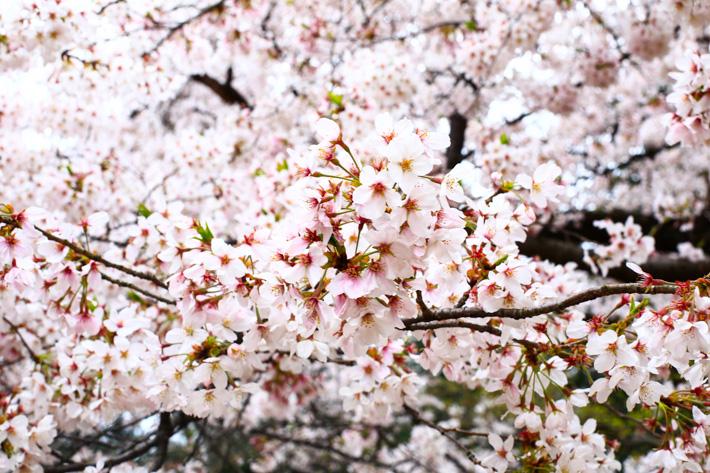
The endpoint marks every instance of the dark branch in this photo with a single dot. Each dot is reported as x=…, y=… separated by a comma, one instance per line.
x=92, y=256
x=224, y=90
x=562, y=252
x=457, y=132
x=576, y=299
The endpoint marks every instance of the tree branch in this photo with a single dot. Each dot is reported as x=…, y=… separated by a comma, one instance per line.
x=135, y=288
x=27, y=346
x=206, y=10
x=445, y=432
x=161, y=436
x=562, y=252
x=224, y=90
x=457, y=132
x=92, y=256
x=584, y=296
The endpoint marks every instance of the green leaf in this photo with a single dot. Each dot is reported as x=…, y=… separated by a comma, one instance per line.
x=282, y=166
x=471, y=25
x=507, y=186
x=500, y=260
x=205, y=233
x=133, y=296
x=92, y=305
x=504, y=140
x=335, y=99
x=143, y=211
x=7, y=448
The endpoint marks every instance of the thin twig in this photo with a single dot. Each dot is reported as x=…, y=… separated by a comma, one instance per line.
x=135, y=288
x=445, y=432
x=16, y=329
x=206, y=10
x=92, y=256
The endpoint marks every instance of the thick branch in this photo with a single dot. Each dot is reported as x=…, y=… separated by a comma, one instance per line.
x=224, y=90
x=584, y=296
x=414, y=324
x=457, y=132
x=562, y=252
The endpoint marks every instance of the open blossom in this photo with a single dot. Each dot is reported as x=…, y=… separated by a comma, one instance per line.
x=375, y=193
x=502, y=455
x=610, y=350
x=542, y=185
x=417, y=210
x=407, y=160
x=466, y=180
x=327, y=131
x=353, y=283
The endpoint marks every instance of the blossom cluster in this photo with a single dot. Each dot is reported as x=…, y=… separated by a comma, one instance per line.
x=689, y=123
x=627, y=243
x=216, y=224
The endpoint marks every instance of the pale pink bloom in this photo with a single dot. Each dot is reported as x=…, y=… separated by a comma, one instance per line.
x=512, y=277
x=417, y=210
x=125, y=321
x=93, y=273
x=308, y=266
x=446, y=244
x=87, y=323
x=502, y=455
x=490, y=296
x=375, y=194
x=67, y=278
x=210, y=372
x=395, y=255
x=308, y=347
x=14, y=246
x=52, y=251
x=689, y=336
x=528, y=420
x=230, y=265
x=407, y=160
x=368, y=372
x=610, y=350
x=95, y=223
x=648, y=394
x=44, y=432
x=244, y=362
x=542, y=184
x=466, y=180
x=352, y=283
x=183, y=339
x=371, y=328
x=21, y=275
x=327, y=131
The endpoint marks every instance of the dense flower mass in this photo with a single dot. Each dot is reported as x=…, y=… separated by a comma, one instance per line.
x=368, y=236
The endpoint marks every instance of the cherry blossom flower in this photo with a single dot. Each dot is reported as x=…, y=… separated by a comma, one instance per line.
x=610, y=350
x=375, y=194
